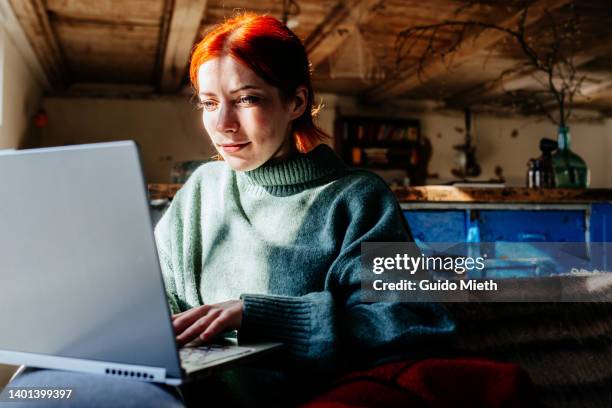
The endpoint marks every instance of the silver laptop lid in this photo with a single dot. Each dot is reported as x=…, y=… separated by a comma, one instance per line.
x=79, y=273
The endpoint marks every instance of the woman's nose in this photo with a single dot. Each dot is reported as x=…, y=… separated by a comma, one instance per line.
x=227, y=121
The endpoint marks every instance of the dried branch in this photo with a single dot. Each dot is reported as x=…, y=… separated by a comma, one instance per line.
x=554, y=58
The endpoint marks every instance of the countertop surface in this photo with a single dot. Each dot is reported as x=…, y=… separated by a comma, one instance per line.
x=501, y=194
x=464, y=194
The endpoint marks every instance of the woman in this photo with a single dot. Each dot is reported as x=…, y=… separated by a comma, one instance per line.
x=267, y=240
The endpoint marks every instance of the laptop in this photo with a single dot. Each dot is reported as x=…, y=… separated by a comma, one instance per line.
x=80, y=283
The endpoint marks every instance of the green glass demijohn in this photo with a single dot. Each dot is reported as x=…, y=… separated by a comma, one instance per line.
x=569, y=168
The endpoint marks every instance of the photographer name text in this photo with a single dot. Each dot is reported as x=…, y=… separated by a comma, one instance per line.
x=436, y=285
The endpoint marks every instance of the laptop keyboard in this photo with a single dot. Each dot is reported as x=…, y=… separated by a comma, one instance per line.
x=197, y=357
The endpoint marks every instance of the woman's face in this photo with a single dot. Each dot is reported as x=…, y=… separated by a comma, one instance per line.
x=246, y=118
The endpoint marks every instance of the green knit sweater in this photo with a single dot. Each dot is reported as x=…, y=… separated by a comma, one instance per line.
x=285, y=238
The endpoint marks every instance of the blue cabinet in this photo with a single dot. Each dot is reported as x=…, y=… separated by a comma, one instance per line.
x=524, y=239
x=437, y=226
x=552, y=225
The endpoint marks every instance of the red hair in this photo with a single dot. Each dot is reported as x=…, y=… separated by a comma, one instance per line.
x=275, y=54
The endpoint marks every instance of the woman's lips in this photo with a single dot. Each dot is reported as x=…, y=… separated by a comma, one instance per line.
x=233, y=147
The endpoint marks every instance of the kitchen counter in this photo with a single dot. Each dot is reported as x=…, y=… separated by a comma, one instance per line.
x=451, y=194
x=501, y=195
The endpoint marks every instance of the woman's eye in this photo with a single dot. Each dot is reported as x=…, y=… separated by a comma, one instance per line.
x=247, y=100
x=208, y=105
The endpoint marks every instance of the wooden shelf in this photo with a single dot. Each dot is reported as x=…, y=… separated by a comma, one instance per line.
x=381, y=144
x=464, y=194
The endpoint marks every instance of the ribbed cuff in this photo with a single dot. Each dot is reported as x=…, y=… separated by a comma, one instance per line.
x=277, y=318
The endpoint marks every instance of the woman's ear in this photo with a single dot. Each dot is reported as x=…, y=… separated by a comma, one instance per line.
x=299, y=102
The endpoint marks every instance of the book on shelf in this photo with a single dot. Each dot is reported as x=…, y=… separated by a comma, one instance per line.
x=386, y=144
x=375, y=155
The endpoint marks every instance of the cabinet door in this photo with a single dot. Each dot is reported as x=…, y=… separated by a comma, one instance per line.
x=531, y=225
x=437, y=225
x=533, y=242
x=601, y=235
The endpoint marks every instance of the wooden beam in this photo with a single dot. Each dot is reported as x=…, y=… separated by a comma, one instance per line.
x=595, y=84
x=15, y=32
x=594, y=90
x=470, y=47
x=341, y=21
x=183, y=28
x=523, y=77
x=34, y=20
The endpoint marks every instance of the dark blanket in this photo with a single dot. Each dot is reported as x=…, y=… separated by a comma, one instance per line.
x=431, y=383
x=566, y=348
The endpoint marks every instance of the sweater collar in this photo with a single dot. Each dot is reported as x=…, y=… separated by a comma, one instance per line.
x=302, y=168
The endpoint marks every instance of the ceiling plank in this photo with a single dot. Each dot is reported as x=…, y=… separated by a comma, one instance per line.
x=341, y=21
x=524, y=77
x=182, y=33
x=596, y=84
x=15, y=31
x=470, y=47
x=34, y=20
x=593, y=91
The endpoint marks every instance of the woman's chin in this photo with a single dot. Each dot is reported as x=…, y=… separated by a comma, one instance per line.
x=241, y=164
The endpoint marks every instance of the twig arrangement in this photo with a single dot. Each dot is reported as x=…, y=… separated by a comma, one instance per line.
x=549, y=53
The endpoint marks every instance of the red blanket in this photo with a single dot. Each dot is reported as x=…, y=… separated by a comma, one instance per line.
x=432, y=383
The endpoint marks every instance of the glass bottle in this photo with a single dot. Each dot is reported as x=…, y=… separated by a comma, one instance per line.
x=547, y=174
x=569, y=168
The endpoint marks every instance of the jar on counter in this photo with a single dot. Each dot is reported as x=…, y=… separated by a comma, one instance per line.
x=540, y=171
x=533, y=173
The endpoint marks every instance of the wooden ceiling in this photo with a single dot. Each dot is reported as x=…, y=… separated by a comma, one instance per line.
x=146, y=43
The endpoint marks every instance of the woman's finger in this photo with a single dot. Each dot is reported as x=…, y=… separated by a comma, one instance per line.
x=176, y=316
x=198, y=327
x=215, y=328
x=188, y=318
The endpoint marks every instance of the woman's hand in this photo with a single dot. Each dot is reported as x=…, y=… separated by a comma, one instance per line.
x=205, y=322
